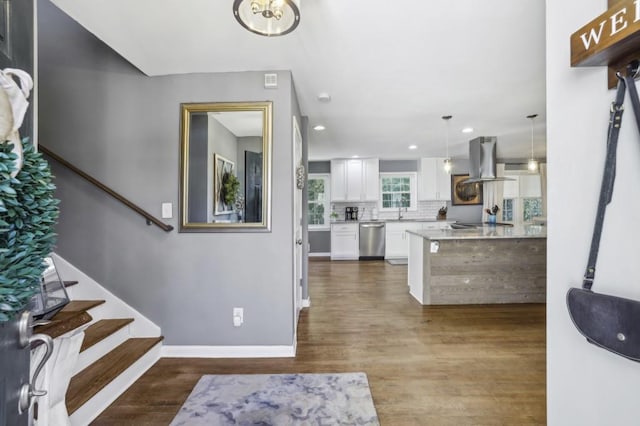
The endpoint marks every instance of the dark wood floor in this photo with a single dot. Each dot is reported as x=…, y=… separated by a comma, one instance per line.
x=447, y=365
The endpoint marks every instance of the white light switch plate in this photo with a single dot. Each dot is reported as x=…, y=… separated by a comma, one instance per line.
x=167, y=210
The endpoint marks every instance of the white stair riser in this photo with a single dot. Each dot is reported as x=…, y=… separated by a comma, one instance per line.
x=96, y=405
x=97, y=313
x=100, y=349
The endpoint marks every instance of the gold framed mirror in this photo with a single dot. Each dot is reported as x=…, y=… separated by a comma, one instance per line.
x=225, y=167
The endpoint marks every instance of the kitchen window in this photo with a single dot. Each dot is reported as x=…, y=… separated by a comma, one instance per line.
x=319, y=197
x=522, y=200
x=398, y=190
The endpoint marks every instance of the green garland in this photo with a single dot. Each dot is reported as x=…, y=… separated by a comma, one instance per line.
x=230, y=185
x=28, y=215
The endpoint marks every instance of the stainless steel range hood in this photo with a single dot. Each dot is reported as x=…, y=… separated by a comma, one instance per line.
x=482, y=160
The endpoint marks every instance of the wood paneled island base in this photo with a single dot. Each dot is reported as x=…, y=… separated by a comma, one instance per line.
x=487, y=265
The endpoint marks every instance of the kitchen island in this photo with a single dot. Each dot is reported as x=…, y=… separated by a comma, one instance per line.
x=486, y=264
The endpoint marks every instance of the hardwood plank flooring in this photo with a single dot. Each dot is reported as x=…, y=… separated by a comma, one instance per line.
x=444, y=365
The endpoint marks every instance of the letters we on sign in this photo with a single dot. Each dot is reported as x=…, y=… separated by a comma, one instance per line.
x=612, y=38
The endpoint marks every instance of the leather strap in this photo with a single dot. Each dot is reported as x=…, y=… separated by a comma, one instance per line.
x=609, y=177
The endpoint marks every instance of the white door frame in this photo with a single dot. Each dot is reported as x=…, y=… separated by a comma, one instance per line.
x=297, y=228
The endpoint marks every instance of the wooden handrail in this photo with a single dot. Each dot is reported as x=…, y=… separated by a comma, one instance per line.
x=148, y=216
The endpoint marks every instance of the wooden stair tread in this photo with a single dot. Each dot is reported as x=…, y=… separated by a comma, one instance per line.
x=101, y=330
x=81, y=305
x=94, y=378
x=63, y=322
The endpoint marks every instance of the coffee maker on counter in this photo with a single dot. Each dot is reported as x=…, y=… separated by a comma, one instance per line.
x=350, y=213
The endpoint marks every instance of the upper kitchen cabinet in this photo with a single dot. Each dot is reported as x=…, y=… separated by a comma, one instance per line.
x=434, y=182
x=354, y=179
x=524, y=185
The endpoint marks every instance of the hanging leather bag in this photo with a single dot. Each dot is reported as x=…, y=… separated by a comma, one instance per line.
x=611, y=322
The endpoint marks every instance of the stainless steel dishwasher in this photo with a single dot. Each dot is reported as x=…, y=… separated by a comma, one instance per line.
x=371, y=240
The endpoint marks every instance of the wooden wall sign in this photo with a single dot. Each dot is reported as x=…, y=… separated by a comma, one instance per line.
x=611, y=39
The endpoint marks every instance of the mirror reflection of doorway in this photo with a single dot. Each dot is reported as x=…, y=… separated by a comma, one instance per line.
x=253, y=186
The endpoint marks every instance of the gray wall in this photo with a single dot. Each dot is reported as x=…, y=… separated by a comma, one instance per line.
x=319, y=166
x=320, y=241
x=469, y=214
x=398, y=166
x=103, y=115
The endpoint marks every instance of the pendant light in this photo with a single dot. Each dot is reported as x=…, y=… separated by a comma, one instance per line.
x=268, y=17
x=447, y=161
x=532, y=165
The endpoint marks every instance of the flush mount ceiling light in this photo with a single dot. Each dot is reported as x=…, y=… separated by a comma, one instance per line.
x=413, y=146
x=268, y=17
x=319, y=128
x=447, y=161
x=467, y=130
x=532, y=165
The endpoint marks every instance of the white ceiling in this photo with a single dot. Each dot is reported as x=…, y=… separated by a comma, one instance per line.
x=392, y=68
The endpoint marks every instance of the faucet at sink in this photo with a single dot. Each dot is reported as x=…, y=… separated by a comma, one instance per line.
x=400, y=212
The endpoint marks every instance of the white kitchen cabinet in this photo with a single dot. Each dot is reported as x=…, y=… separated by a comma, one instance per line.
x=435, y=182
x=511, y=188
x=397, y=239
x=394, y=241
x=371, y=179
x=338, y=180
x=530, y=186
x=345, y=242
x=523, y=185
x=354, y=179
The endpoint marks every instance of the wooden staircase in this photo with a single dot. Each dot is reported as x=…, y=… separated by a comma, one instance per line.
x=110, y=358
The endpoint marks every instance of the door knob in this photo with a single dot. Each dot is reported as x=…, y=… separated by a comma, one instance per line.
x=299, y=241
x=28, y=390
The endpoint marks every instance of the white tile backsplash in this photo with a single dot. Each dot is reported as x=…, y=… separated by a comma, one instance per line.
x=426, y=210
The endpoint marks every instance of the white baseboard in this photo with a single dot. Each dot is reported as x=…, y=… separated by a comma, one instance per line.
x=306, y=302
x=179, y=351
x=319, y=254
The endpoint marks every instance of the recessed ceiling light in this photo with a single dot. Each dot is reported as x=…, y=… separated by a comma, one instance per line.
x=319, y=128
x=355, y=156
x=467, y=130
x=413, y=146
x=324, y=97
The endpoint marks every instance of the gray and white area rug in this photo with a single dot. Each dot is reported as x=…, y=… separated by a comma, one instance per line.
x=279, y=399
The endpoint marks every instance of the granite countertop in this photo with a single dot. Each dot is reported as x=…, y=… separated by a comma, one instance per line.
x=484, y=232
x=393, y=220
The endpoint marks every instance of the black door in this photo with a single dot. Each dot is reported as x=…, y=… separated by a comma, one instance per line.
x=253, y=186
x=16, y=51
x=14, y=360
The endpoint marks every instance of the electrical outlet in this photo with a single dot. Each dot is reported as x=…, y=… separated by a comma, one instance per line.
x=238, y=316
